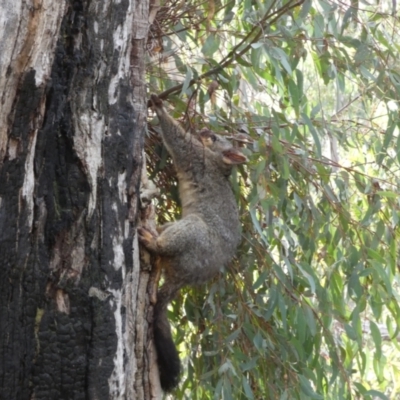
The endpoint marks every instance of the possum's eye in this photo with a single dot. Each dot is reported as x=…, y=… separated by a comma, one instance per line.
x=207, y=137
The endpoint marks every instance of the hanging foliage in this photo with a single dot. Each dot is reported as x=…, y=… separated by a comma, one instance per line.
x=310, y=308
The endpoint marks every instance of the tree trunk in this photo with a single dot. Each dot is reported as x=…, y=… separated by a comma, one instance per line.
x=73, y=299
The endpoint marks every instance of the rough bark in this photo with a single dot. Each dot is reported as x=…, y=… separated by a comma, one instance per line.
x=71, y=139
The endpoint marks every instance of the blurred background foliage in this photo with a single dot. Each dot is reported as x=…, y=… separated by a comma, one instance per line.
x=310, y=89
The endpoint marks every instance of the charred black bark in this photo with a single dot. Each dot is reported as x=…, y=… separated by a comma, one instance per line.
x=59, y=286
x=21, y=281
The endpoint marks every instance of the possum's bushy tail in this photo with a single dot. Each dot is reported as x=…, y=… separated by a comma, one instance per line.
x=168, y=362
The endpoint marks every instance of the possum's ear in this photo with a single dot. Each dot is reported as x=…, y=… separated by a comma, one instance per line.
x=233, y=157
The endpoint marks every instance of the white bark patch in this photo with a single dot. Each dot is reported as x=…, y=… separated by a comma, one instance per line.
x=113, y=90
x=12, y=149
x=99, y=294
x=121, y=39
x=31, y=29
x=116, y=381
x=46, y=36
x=119, y=257
x=122, y=187
x=62, y=301
x=89, y=131
x=29, y=179
x=118, y=39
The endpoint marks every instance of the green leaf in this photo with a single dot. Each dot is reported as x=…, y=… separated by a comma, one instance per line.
x=247, y=390
x=351, y=333
x=313, y=132
x=308, y=313
x=188, y=78
x=307, y=389
x=294, y=95
x=376, y=336
x=305, y=9
x=374, y=255
x=255, y=56
x=249, y=365
x=228, y=17
x=308, y=276
x=260, y=280
x=387, y=193
x=280, y=55
x=375, y=394
x=383, y=275
x=257, y=45
x=211, y=45
x=271, y=304
x=181, y=31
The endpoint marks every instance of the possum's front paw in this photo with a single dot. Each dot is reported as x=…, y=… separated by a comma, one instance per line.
x=148, y=238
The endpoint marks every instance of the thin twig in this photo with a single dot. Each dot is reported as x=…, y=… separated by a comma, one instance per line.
x=232, y=54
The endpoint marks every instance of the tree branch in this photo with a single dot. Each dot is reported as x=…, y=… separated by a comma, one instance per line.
x=257, y=30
